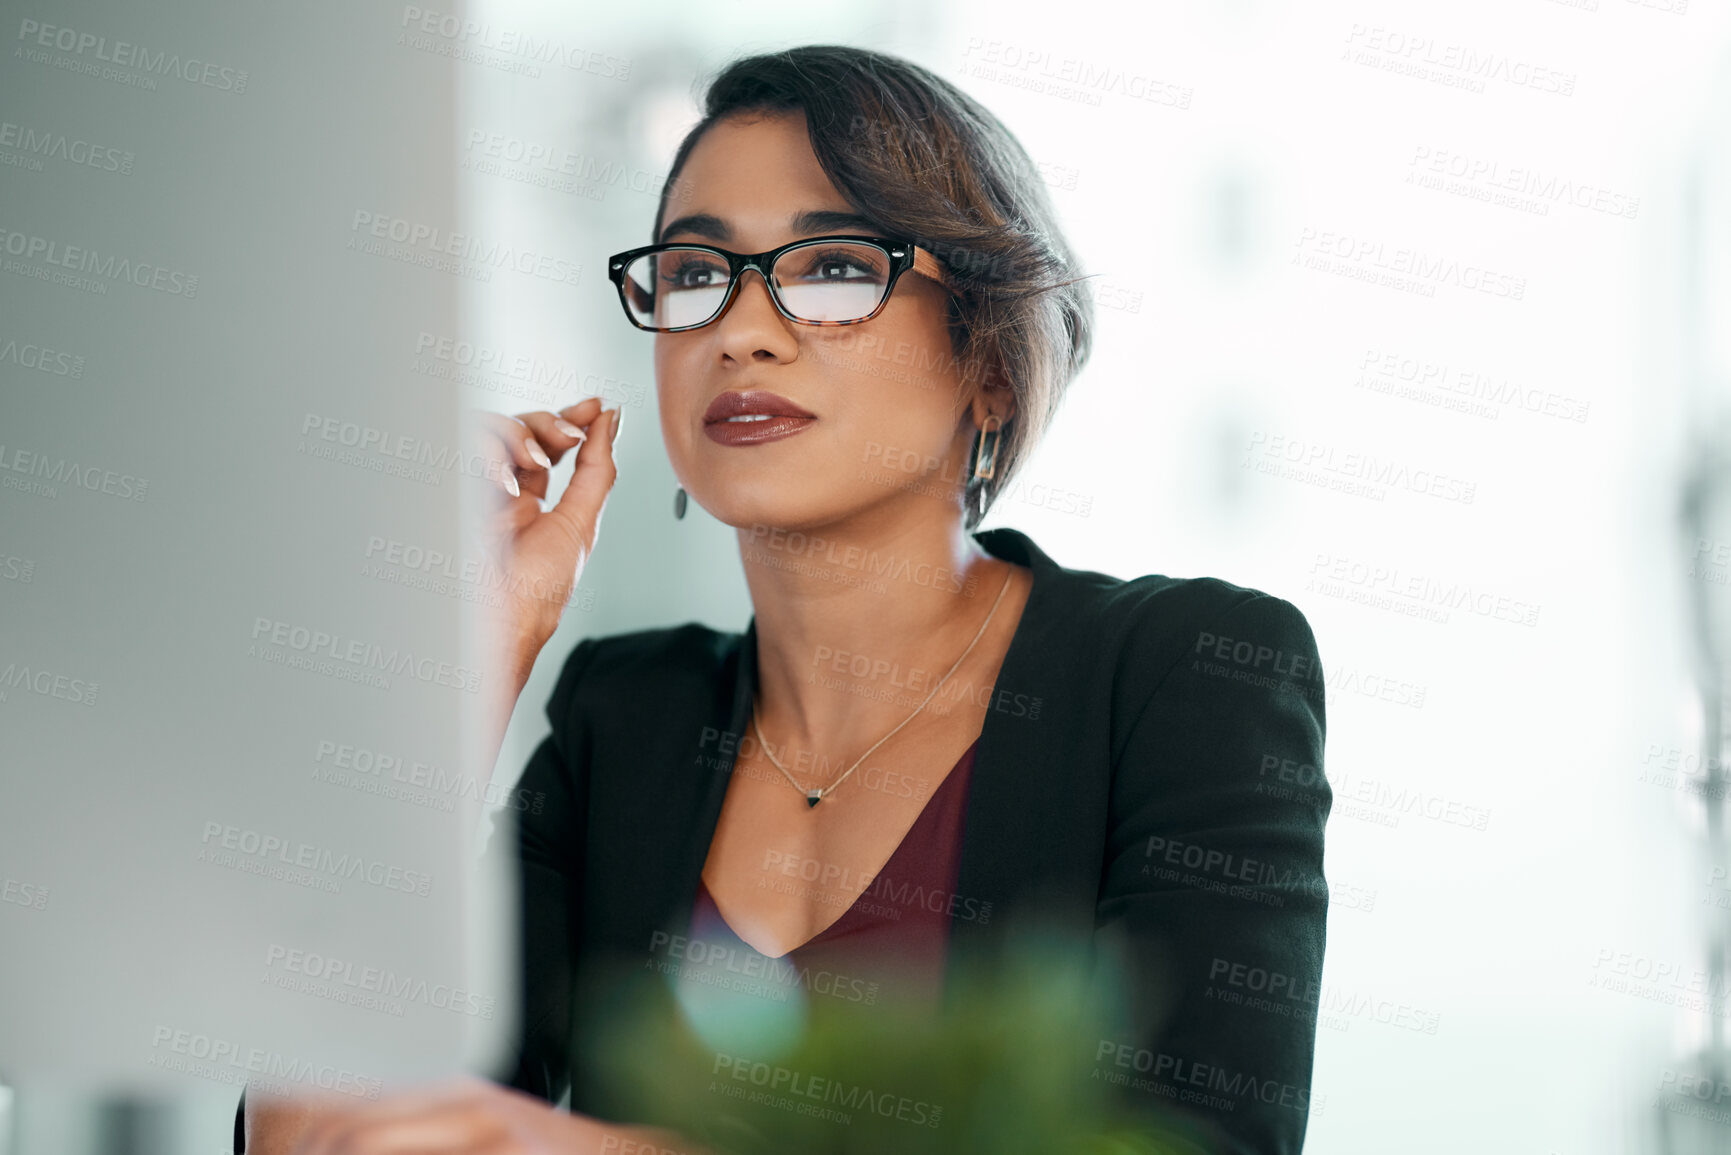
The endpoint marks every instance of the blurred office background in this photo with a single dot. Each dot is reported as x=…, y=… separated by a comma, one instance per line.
x=1413, y=314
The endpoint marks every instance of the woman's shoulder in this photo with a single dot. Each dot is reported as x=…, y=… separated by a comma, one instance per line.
x=1151, y=609
x=1212, y=637
x=660, y=647
x=645, y=665
x=1157, y=614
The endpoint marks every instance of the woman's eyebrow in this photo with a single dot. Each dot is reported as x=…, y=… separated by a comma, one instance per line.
x=829, y=221
x=809, y=223
x=703, y=224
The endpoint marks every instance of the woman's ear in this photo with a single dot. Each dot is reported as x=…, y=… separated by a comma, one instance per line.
x=992, y=394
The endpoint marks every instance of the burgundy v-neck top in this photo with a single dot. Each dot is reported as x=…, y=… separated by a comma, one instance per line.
x=895, y=935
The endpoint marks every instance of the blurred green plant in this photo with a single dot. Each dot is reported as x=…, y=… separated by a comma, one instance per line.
x=1007, y=1066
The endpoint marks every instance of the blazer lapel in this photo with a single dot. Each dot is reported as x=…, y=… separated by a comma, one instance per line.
x=715, y=789
x=1032, y=814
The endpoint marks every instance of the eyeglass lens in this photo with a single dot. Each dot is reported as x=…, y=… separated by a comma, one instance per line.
x=828, y=281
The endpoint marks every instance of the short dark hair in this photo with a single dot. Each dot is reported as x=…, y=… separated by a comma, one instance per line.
x=925, y=161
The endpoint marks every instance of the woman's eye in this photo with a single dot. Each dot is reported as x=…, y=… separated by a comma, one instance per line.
x=694, y=275
x=839, y=268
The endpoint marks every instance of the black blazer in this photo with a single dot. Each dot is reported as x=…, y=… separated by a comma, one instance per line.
x=1148, y=776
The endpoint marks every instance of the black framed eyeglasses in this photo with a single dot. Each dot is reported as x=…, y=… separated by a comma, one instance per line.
x=839, y=280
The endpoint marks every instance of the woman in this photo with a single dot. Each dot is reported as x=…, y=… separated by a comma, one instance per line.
x=914, y=709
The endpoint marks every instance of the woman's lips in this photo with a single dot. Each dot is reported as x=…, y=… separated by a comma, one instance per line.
x=753, y=416
x=755, y=430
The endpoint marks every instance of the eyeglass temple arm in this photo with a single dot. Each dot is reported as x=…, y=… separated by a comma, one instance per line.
x=927, y=266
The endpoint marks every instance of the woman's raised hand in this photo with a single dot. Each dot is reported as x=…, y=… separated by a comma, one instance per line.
x=539, y=553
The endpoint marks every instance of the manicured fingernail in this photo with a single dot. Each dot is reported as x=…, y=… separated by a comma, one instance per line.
x=539, y=454
x=569, y=429
x=618, y=419
x=511, y=484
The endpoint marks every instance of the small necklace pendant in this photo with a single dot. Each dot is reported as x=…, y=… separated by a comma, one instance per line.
x=813, y=797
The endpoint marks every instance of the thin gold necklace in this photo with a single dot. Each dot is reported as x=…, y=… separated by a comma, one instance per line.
x=814, y=795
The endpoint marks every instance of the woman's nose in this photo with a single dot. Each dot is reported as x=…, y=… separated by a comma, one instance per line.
x=751, y=326
x=761, y=292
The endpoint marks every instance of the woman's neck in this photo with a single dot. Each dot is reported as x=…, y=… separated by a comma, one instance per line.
x=855, y=627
